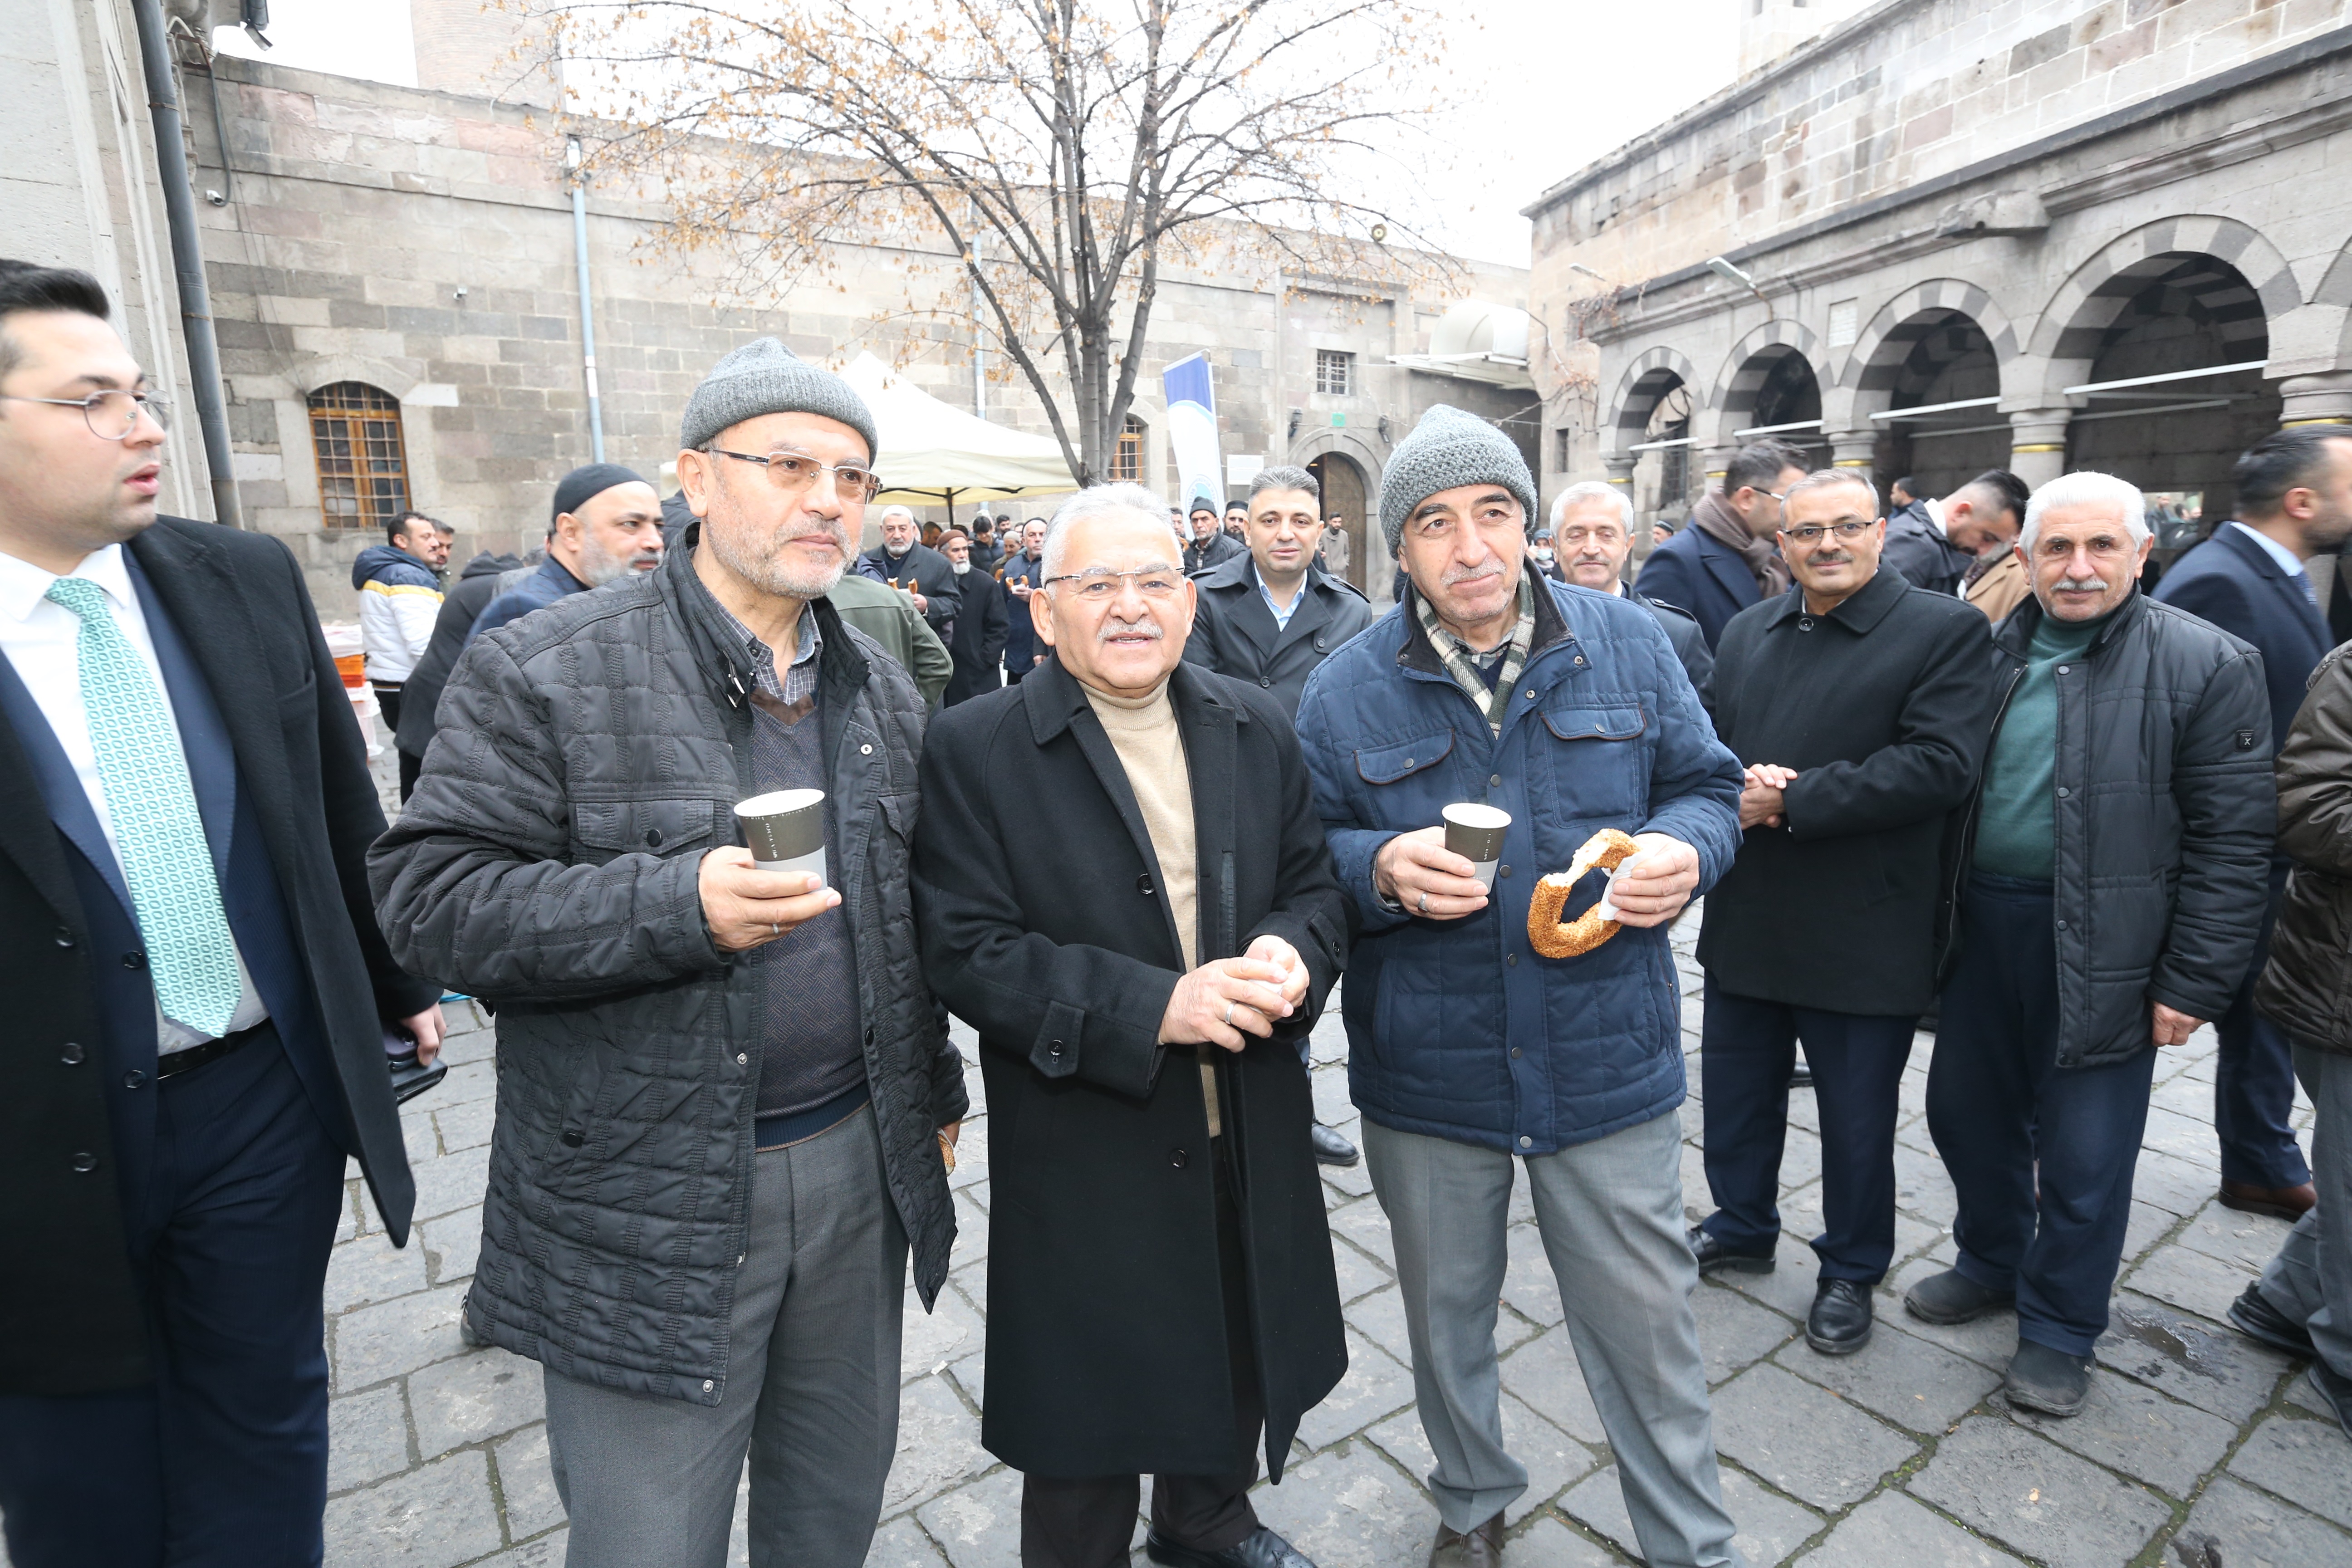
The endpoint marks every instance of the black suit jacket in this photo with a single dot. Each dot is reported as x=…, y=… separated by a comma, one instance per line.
x=259, y=700
x=1235, y=632
x=2231, y=582
x=1704, y=579
x=928, y=571
x=979, y=632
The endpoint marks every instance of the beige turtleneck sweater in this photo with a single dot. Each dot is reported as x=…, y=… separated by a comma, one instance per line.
x=1143, y=732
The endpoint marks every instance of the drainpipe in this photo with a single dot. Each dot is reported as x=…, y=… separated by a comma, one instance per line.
x=187, y=260
x=587, y=323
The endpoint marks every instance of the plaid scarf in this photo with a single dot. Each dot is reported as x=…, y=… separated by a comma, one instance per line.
x=1467, y=665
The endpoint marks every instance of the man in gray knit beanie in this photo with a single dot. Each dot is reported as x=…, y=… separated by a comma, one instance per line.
x=1448, y=449
x=763, y=377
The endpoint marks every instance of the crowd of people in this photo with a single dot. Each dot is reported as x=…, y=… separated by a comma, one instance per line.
x=1129, y=790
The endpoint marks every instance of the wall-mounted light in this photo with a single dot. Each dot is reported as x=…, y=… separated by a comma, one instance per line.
x=1731, y=274
x=1384, y=426
x=1597, y=278
x=1380, y=233
x=1297, y=418
x=460, y=295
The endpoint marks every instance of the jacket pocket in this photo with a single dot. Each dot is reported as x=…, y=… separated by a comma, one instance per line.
x=1598, y=761
x=1387, y=764
x=605, y=829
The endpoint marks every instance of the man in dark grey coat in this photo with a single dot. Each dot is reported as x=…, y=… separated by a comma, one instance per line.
x=2114, y=869
x=1591, y=538
x=722, y=1093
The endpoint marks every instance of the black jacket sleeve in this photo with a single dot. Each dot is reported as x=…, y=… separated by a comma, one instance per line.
x=2229, y=814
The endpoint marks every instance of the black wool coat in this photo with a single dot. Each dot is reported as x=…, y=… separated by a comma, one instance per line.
x=978, y=648
x=1107, y=1352
x=1235, y=632
x=1883, y=707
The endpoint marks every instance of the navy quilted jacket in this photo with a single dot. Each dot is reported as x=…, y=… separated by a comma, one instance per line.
x=1458, y=1028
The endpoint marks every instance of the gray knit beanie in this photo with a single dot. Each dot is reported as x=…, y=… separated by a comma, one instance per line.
x=763, y=377
x=1448, y=449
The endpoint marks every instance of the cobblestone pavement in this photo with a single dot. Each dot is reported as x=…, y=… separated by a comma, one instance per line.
x=1905, y=1454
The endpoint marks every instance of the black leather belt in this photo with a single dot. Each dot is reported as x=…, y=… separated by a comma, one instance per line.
x=195, y=1056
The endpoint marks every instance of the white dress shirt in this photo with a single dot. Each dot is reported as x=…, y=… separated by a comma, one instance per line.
x=2288, y=561
x=41, y=638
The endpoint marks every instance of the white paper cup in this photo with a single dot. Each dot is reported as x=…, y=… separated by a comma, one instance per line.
x=785, y=829
x=1475, y=832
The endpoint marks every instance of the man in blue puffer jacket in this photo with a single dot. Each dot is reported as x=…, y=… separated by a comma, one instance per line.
x=1568, y=710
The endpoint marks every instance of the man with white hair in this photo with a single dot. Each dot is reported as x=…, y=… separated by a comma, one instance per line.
x=2129, y=769
x=1591, y=540
x=905, y=562
x=1160, y=1275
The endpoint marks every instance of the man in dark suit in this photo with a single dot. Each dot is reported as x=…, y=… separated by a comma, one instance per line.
x=1728, y=559
x=981, y=623
x=184, y=814
x=2294, y=501
x=1592, y=536
x=905, y=562
x=1938, y=544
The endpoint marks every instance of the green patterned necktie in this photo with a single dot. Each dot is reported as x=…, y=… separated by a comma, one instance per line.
x=158, y=834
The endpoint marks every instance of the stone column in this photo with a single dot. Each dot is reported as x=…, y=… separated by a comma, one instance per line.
x=2037, y=444
x=2322, y=399
x=1851, y=452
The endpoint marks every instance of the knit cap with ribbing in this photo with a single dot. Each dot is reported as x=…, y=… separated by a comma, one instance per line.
x=763, y=377
x=1448, y=449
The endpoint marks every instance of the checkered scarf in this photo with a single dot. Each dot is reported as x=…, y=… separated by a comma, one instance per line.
x=1465, y=666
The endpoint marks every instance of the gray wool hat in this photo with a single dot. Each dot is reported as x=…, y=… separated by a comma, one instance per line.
x=763, y=377
x=1448, y=449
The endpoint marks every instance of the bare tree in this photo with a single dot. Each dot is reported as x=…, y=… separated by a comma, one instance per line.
x=1058, y=155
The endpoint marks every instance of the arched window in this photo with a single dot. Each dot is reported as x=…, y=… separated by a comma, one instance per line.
x=363, y=463
x=1126, y=463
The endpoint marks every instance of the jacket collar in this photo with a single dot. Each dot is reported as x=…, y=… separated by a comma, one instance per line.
x=1859, y=611
x=718, y=648
x=1418, y=654
x=2015, y=635
x=1055, y=699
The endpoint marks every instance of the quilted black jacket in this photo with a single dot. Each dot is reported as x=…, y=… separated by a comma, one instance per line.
x=2307, y=988
x=588, y=756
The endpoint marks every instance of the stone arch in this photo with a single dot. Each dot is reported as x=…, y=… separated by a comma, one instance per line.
x=1652, y=374
x=2252, y=286
x=327, y=369
x=1875, y=361
x=1774, y=350
x=2331, y=304
x=1369, y=553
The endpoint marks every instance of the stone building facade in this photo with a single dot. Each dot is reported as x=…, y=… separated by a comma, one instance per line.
x=2039, y=235
x=395, y=275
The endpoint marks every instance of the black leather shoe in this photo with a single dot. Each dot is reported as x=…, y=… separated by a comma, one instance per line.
x=2254, y=1316
x=2048, y=1381
x=1482, y=1548
x=1330, y=1148
x=1714, y=1257
x=1262, y=1550
x=1952, y=1297
x=1839, y=1323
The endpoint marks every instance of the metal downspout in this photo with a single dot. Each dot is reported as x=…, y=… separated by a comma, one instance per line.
x=587, y=322
x=187, y=260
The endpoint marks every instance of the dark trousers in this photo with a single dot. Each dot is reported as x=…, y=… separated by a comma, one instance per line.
x=1748, y=1048
x=2040, y=1156
x=2254, y=1080
x=222, y=1460
x=1090, y=1522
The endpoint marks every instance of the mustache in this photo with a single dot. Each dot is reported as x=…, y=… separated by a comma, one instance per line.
x=2084, y=584
x=1145, y=627
x=1455, y=575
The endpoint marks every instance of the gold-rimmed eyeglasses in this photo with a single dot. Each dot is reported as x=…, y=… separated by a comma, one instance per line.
x=793, y=472
x=1101, y=585
x=111, y=415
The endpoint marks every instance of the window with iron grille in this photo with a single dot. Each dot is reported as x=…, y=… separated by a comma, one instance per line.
x=1334, y=371
x=1126, y=463
x=362, y=463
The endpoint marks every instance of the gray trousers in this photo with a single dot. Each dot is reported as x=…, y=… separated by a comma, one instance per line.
x=812, y=1389
x=1611, y=1215
x=2310, y=1279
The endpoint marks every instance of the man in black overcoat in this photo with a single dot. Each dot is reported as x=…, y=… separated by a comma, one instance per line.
x=198, y=991
x=1858, y=705
x=1161, y=1284
x=978, y=649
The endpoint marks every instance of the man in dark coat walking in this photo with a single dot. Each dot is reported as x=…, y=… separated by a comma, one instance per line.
x=485, y=577
x=905, y=562
x=2111, y=892
x=1858, y=706
x=1160, y=1286
x=1020, y=575
x=1725, y=560
x=1592, y=536
x=722, y=1091
x=2294, y=501
x=195, y=1039
x=606, y=523
x=981, y=623
x=1211, y=545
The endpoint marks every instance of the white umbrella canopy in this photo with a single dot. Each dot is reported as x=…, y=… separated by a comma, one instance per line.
x=933, y=454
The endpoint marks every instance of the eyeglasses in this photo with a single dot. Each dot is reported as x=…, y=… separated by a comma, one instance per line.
x=1810, y=533
x=1101, y=585
x=793, y=473
x=111, y=415
x=1574, y=537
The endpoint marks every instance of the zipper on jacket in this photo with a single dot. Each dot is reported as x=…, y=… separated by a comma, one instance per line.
x=1976, y=797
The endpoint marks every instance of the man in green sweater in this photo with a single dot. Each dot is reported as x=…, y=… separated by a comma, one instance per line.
x=2117, y=875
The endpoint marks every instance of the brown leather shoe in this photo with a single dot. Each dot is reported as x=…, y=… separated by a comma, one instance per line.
x=1482, y=1548
x=2279, y=1203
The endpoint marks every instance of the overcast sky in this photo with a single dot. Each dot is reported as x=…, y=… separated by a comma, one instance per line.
x=1549, y=84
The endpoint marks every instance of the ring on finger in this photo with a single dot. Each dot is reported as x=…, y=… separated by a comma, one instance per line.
x=1424, y=903
x=1229, y=1014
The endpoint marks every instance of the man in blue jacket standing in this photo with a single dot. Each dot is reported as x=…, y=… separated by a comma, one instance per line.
x=1729, y=556
x=2294, y=501
x=1568, y=710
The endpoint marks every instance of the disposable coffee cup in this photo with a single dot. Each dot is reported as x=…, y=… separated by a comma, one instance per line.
x=1476, y=833
x=785, y=829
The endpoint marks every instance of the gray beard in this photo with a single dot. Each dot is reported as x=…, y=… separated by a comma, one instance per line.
x=770, y=573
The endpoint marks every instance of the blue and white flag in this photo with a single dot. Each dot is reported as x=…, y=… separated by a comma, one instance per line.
x=1192, y=432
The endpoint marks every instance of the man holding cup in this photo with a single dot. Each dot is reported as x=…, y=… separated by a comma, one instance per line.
x=1566, y=711
x=722, y=1091
x=1160, y=1286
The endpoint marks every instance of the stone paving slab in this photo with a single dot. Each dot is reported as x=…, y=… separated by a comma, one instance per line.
x=1903, y=1456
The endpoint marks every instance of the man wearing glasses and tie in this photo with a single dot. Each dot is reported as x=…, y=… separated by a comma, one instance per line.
x=198, y=992
x=725, y=1105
